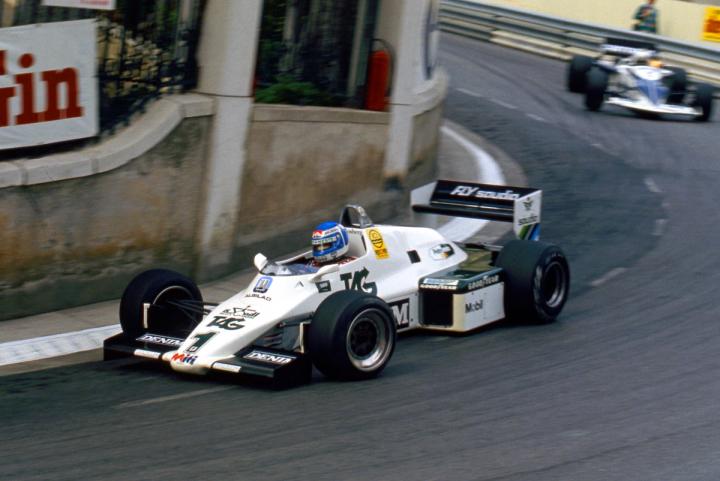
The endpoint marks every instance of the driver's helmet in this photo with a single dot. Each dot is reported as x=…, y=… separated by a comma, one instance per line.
x=329, y=242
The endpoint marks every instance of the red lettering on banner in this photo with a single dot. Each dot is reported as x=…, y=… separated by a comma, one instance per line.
x=27, y=96
x=6, y=93
x=54, y=81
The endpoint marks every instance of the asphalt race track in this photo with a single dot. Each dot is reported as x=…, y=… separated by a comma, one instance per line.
x=625, y=386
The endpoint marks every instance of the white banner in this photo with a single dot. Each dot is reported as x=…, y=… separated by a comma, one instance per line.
x=48, y=84
x=95, y=4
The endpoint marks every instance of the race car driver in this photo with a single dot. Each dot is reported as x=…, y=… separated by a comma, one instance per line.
x=330, y=243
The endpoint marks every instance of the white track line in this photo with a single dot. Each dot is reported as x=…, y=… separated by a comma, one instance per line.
x=537, y=117
x=470, y=93
x=608, y=276
x=459, y=229
x=488, y=172
x=26, y=350
x=502, y=103
x=660, y=225
x=174, y=397
x=652, y=186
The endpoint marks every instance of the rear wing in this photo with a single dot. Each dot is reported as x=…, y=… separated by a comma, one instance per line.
x=519, y=205
x=621, y=47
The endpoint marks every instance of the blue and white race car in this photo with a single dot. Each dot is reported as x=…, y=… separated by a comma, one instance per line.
x=343, y=316
x=630, y=74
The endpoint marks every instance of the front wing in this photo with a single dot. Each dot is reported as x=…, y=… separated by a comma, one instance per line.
x=273, y=364
x=653, y=108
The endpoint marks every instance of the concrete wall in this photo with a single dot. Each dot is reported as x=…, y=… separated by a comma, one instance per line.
x=303, y=165
x=80, y=239
x=75, y=228
x=677, y=19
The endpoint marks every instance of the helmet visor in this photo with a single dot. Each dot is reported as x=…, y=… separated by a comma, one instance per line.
x=320, y=246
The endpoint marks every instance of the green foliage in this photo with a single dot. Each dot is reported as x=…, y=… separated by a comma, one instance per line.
x=288, y=90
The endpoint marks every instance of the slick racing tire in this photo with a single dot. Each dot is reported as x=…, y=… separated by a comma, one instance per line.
x=537, y=281
x=677, y=83
x=596, y=87
x=577, y=73
x=162, y=289
x=352, y=336
x=704, y=101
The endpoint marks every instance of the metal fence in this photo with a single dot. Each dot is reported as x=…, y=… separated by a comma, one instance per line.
x=145, y=49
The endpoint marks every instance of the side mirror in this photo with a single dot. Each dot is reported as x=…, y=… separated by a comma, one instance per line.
x=260, y=261
x=324, y=270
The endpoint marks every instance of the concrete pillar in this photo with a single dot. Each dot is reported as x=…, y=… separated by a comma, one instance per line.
x=228, y=49
x=410, y=27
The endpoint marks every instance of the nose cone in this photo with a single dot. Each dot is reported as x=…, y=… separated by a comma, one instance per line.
x=186, y=362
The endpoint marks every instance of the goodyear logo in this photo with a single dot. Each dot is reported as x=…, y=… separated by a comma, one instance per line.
x=378, y=244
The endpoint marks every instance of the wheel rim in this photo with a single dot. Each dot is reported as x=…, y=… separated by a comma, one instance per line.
x=554, y=284
x=174, y=320
x=368, y=340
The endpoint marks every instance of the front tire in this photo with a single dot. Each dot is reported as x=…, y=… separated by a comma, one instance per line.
x=704, y=101
x=162, y=289
x=537, y=281
x=352, y=336
x=597, y=84
x=677, y=83
x=577, y=73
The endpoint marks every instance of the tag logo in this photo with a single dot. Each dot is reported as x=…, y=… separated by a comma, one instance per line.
x=356, y=281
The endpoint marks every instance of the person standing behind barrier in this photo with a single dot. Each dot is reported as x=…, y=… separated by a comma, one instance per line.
x=646, y=18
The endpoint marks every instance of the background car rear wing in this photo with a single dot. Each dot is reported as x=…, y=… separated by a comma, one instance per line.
x=519, y=205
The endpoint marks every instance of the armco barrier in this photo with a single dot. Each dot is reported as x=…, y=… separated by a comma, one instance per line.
x=560, y=38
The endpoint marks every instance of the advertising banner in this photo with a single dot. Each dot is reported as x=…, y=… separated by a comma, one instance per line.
x=94, y=4
x=48, y=84
x=711, y=25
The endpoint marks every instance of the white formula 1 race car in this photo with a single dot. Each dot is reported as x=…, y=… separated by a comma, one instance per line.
x=629, y=74
x=343, y=317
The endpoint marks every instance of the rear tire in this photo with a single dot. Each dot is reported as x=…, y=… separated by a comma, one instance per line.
x=158, y=287
x=704, y=101
x=537, y=281
x=597, y=83
x=352, y=336
x=577, y=73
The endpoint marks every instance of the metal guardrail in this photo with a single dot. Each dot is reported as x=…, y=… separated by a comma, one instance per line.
x=561, y=38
